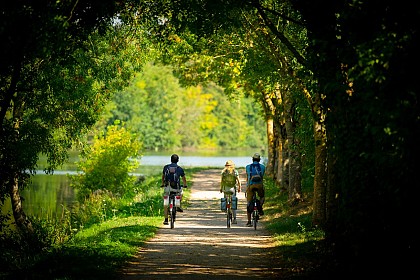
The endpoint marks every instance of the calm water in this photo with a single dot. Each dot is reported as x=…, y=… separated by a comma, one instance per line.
x=196, y=161
x=51, y=195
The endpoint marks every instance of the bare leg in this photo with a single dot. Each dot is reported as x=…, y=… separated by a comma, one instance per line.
x=165, y=212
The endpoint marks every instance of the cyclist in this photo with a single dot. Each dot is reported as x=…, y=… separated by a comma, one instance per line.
x=171, y=175
x=254, y=181
x=230, y=183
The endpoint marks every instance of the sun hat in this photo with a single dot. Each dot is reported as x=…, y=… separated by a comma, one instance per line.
x=256, y=156
x=229, y=163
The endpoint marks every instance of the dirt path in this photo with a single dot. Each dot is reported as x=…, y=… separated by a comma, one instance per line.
x=201, y=247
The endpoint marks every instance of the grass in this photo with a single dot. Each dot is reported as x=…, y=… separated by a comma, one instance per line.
x=95, y=253
x=300, y=246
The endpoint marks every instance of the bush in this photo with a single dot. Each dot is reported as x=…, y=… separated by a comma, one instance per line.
x=106, y=164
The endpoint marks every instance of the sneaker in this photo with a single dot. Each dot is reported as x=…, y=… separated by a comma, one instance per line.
x=179, y=209
x=165, y=222
x=249, y=224
x=234, y=221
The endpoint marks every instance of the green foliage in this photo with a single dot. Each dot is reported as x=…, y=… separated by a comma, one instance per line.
x=20, y=251
x=148, y=201
x=105, y=165
x=97, y=207
x=97, y=237
x=99, y=250
x=289, y=222
x=299, y=244
x=165, y=115
x=103, y=205
x=61, y=63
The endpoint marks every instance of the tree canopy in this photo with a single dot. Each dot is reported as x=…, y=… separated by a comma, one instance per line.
x=60, y=64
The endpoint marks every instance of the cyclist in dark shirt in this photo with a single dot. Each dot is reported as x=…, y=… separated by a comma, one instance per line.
x=167, y=188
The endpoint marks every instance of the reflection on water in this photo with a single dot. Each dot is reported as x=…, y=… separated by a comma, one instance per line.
x=48, y=196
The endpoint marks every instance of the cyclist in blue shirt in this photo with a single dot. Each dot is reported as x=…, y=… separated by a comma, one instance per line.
x=255, y=183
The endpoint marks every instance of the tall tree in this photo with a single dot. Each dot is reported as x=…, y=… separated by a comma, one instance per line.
x=60, y=63
x=361, y=53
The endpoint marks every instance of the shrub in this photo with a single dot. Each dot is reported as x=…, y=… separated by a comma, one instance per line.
x=106, y=164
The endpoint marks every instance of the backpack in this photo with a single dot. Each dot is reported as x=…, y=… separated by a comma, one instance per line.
x=228, y=179
x=256, y=176
x=172, y=177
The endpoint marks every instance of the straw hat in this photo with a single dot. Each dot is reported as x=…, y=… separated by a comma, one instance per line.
x=229, y=163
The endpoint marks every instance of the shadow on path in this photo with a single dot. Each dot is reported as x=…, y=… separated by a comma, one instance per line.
x=202, y=247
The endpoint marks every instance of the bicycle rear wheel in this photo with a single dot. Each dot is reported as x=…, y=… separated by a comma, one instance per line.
x=255, y=218
x=172, y=213
x=229, y=213
x=229, y=217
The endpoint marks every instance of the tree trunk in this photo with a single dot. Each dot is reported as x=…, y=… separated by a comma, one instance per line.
x=284, y=163
x=271, y=154
x=294, y=188
x=21, y=220
x=19, y=215
x=320, y=179
x=295, y=184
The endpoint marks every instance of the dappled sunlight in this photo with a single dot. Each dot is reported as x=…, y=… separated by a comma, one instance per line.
x=201, y=244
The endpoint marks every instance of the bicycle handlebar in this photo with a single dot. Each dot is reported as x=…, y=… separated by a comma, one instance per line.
x=181, y=186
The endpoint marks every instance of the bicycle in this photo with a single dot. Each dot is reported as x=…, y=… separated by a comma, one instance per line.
x=174, y=202
x=255, y=215
x=230, y=206
x=229, y=212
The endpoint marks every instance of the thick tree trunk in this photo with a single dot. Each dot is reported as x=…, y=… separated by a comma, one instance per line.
x=284, y=164
x=21, y=220
x=295, y=182
x=271, y=155
x=320, y=179
x=19, y=215
x=295, y=187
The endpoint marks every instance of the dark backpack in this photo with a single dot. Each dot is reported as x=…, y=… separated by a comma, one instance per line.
x=172, y=177
x=256, y=175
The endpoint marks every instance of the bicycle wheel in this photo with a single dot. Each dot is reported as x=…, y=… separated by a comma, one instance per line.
x=255, y=218
x=172, y=212
x=228, y=211
x=228, y=215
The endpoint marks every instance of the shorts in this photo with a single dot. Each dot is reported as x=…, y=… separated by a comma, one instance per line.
x=258, y=187
x=231, y=191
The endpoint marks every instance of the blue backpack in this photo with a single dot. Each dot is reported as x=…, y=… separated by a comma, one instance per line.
x=256, y=175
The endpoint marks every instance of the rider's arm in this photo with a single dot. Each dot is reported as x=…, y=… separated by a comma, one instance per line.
x=247, y=175
x=239, y=181
x=184, y=181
